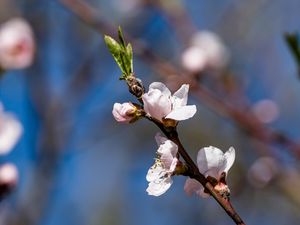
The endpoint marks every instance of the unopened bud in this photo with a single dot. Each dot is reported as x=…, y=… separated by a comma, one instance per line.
x=126, y=112
x=135, y=86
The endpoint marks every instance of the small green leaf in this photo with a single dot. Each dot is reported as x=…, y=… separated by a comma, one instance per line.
x=115, y=50
x=121, y=38
x=125, y=63
x=130, y=56
x=121, y=53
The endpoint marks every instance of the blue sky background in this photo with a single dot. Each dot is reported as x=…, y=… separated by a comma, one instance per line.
x=78, y=166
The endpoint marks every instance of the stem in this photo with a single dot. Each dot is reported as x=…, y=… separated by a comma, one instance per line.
x=195, y=173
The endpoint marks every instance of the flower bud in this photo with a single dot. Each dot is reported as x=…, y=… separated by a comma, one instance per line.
x=126, y=112
x=135, y=86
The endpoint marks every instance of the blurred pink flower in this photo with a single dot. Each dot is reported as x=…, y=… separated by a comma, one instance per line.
x=125, y=112
x=262, y=171
x=159, y=175
x=194, y=59
x=212, y=162
x=160, y=104
x=266, y=110
x=206, y=51
x=17, y=45
x=8, y=175
x=10, y=131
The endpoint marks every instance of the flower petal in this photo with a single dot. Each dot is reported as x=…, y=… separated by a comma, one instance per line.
x=182, y=113
x=169, y=147
x=173, y=165
x=160, y=139
x=161, y=87
x=229, y=158
x=179, y=98
x=156, y=104
x=167, y=152
x=157, y=188
x=193, y=186
x=124, y=112
x=116, y=113
x=155, y=172
x=211, y=161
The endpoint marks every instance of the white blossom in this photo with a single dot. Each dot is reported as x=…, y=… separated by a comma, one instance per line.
x=159, y=175
x=211, y=162
x=17, y=44
x=160, y=104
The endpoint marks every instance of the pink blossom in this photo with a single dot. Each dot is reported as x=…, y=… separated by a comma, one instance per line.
x=159, y=175
x=212, y=162
x=17, y=45
x=160, y=104
x=125, y=112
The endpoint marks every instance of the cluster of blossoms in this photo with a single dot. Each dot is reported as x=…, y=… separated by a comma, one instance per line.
x=167, y=109
x=10, y=132
x=17, y=45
